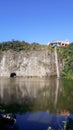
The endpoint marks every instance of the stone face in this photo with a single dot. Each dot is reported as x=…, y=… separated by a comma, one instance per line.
x=27, y=63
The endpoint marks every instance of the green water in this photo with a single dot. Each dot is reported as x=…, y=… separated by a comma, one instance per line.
x=35, y=94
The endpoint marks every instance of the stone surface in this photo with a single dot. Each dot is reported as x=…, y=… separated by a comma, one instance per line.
x=27, y=63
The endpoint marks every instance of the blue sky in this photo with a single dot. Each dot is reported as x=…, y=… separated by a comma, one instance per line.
x=38, y=21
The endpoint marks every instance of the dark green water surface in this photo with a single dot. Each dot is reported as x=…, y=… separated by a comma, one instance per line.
x=35, y=94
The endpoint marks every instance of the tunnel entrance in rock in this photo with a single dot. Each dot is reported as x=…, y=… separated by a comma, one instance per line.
x=13, y=74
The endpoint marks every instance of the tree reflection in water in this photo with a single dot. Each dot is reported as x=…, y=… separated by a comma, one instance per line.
x=34, y=94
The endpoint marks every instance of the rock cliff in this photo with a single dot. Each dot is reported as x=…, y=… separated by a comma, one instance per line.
x=27, y=63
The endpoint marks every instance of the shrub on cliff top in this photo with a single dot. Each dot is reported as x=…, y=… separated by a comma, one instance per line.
x=20, y=45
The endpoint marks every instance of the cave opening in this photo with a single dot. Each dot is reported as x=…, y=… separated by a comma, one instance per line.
x=13, y=74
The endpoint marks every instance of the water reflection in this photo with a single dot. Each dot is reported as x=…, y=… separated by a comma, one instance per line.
x=57, y=91
x=46, y=94
x=16, y=89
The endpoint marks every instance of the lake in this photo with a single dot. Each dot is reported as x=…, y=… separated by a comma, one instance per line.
x=35, y=94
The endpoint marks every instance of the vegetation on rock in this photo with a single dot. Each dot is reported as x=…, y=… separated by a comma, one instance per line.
x=66, y=57
x=20, y=45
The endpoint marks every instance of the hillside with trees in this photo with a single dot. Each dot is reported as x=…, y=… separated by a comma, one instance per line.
x=66, y=57
x=20, y=45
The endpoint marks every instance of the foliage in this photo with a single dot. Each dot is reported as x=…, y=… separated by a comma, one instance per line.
x=66, y=57
x=15, y=108
x=20, y=45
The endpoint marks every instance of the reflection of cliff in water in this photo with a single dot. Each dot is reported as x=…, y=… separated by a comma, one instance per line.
x=19, y=90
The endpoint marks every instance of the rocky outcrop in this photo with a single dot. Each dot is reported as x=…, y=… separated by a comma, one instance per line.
x=27, y=63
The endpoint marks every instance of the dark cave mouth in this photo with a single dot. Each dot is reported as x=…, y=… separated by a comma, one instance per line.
x=13, y=74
